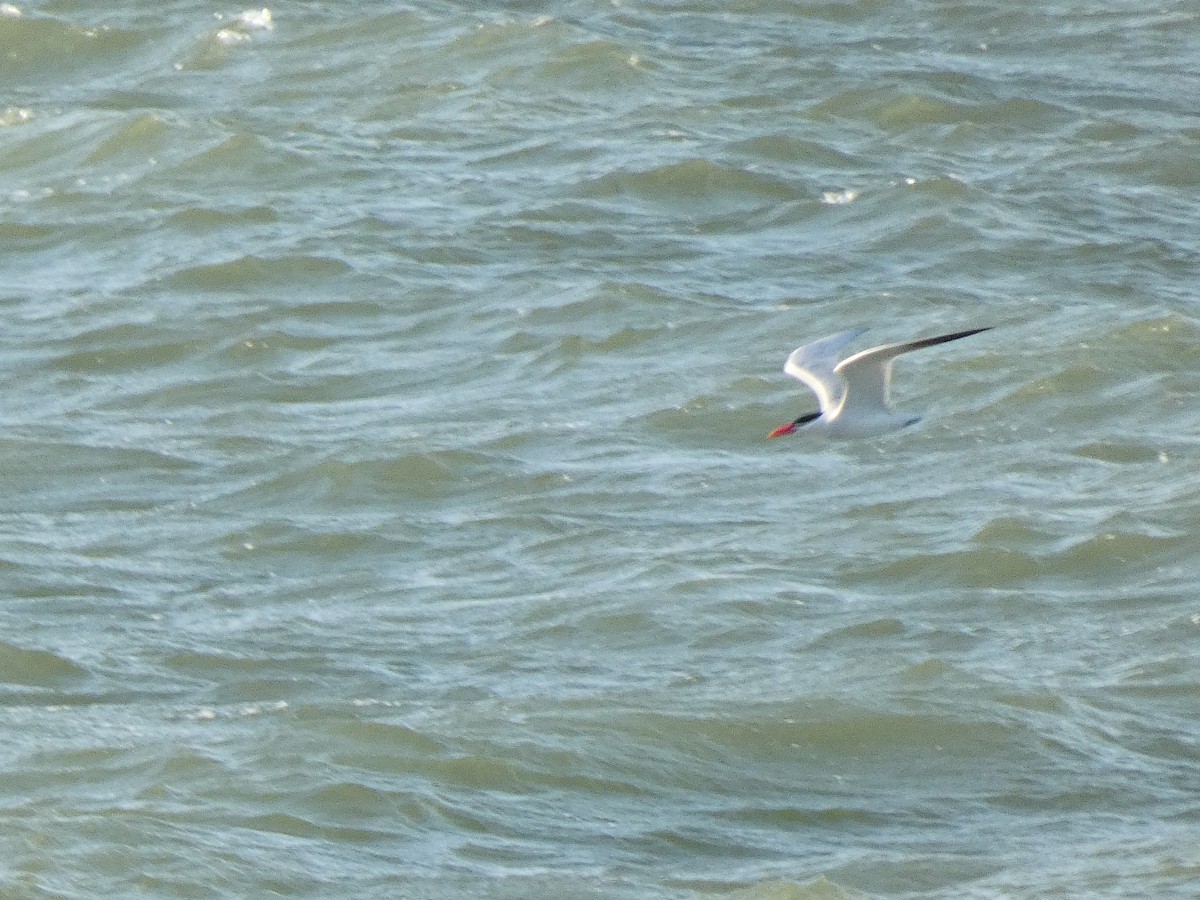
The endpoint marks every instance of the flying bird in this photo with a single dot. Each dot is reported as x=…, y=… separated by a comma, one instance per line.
x=853, y=393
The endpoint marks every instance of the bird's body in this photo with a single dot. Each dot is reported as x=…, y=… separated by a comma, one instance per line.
x=853, y=392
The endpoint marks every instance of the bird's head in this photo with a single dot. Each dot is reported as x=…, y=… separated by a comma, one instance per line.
x=793, y=425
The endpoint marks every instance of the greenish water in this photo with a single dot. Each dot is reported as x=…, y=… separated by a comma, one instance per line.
x=386, y=508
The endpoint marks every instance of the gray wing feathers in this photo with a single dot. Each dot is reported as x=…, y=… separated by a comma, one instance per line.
x=816, y=365
x=868, y=374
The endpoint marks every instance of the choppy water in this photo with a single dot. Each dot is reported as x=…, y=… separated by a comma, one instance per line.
x=386, y=508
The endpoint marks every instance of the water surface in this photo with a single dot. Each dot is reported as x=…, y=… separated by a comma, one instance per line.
x=386, y=508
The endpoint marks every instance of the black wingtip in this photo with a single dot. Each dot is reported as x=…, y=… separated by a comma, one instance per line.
x=946, y=338
x=963, y=334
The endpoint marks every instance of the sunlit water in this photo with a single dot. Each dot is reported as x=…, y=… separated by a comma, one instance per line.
x=386, y=504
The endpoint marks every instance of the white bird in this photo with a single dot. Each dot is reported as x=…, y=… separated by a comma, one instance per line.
x=853, y=393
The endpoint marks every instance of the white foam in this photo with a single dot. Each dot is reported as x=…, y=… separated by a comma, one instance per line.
x=230, y=37
x=257, y=20
x=839, y=198
x=240, y=28
x=15, y=115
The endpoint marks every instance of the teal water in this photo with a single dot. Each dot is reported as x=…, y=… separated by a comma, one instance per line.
x=386, y=507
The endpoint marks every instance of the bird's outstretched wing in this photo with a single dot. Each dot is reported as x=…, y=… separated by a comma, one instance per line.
x=816, y=365
x=867, y=375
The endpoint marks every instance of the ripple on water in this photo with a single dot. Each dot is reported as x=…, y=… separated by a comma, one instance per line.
x=244, y=273
x=696, y=187
x=37, y=668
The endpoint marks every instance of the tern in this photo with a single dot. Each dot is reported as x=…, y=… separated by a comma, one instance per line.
x=853, y=393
